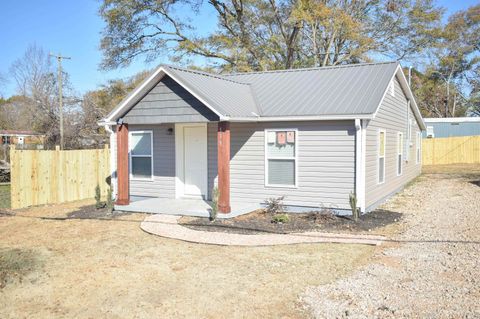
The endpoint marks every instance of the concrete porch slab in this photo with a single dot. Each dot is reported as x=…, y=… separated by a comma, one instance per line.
x=183, y=207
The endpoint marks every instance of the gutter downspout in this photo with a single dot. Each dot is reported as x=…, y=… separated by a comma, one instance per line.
x=358, y=162
x=360, y=155
x=363, y=195
x=113, y=169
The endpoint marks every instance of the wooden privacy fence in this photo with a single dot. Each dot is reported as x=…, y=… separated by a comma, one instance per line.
x=48, y=177
x=451, y=150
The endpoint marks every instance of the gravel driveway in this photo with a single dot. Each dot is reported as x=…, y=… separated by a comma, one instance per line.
x=431, y=269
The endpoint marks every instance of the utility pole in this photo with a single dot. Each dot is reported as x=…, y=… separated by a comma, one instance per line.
x=60, y=93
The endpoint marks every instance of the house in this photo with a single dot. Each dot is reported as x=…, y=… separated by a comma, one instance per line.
x=312, y=135
x=17, y=137
x=452, y=126
x=21, y=139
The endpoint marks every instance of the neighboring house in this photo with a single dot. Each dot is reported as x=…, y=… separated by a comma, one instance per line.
x=15, y=137
x=452, y=126
x=312, y=135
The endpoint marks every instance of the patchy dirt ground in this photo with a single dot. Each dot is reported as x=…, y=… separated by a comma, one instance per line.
x=430, y=269
x=261, y=222
x=110, y=268
x=89, y=268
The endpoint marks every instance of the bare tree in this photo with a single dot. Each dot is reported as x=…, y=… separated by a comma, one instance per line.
x=37, y=90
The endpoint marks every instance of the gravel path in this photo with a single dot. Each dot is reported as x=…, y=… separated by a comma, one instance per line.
x=433, y=271
x=167, y=226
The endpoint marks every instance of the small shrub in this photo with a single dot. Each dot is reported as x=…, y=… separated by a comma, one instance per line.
x=109, y=203
x=280, y=218
x=321, y=216
x=353, y=206
x=214, y=210
x=98, y=197
x=275, y=205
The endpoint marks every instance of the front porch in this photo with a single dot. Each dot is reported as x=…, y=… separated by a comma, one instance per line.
x=182, y=206
x=185, y=160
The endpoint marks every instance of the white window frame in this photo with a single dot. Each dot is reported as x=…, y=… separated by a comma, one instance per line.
x=384, y=155
x=130, y=155
x=400, y=153
x=418, y=150
x=295, y=158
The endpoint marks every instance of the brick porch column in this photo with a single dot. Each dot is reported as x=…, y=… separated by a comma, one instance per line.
x=223, y=145
x=123, y=196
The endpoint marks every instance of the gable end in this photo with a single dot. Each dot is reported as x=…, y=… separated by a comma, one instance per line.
x=168, y=102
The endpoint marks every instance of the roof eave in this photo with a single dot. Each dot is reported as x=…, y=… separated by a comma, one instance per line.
x=404, y=82
x=332, y=117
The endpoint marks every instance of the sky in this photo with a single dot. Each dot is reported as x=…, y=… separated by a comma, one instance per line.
x=73, y=28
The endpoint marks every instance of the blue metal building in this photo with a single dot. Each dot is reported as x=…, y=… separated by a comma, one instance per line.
x=450, y=127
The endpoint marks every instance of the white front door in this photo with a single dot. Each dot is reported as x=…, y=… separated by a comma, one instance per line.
x=195, y=160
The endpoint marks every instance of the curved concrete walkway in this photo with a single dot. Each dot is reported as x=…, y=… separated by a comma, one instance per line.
x=167, y=226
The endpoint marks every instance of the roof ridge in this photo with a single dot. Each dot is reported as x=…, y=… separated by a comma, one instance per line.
x=312, y=68
x=213, y=75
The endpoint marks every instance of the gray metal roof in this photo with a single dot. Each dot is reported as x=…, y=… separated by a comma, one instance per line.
x=350, y=90
x=229, y=97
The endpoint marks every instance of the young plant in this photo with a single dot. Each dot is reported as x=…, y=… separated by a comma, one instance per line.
x=353, y=206
x=214, y=210
x=98, y=197
x=275, y=205
x=280, y=218
x=109, y=203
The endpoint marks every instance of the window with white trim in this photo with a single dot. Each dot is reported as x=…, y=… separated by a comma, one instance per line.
x=382, y=135
x=281, y=157
x=399, y=153
x=419, y=148
x=141, y=155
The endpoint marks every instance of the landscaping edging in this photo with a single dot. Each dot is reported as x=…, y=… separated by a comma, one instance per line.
x=167, y=226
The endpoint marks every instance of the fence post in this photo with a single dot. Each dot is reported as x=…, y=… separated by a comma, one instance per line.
x=13, y=182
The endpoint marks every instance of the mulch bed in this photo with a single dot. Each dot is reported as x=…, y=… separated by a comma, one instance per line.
x=91, y=212
x=259, y=221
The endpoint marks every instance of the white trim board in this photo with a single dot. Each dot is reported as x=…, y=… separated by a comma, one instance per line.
x=360, y=163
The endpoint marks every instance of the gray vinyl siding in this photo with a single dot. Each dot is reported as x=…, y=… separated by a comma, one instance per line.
x=392, y=117
x=326, y=163
x=168, y=102
x=163, y=183
x=212, y=157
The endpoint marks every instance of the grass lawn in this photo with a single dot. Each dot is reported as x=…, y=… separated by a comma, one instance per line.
x=4, y=196
x=97, y=268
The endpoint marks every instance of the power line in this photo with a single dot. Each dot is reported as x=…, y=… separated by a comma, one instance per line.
x=59, y=58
